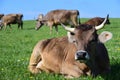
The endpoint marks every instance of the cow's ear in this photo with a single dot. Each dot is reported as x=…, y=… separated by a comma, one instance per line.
x=105, y=36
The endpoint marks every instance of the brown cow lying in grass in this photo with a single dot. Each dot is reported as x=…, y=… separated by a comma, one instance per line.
x=63, y=55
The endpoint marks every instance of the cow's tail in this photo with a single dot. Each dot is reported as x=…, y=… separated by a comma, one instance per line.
x=79, y=20
x=35, y=59
x=78, y=17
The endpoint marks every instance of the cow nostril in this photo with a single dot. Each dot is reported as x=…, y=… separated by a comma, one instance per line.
x=77, y=54
x=72, y=33
x=84, y=54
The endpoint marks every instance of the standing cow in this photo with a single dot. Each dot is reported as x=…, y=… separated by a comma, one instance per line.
x=97, y=21
x=12, y=19
x=61, y=55
x=55, y=17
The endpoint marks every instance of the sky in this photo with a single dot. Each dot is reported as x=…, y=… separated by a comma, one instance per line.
x=87, y=8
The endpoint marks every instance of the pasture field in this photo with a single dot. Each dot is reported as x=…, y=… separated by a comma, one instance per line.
x=16, y=47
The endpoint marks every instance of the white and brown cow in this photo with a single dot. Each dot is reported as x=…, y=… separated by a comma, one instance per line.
x=64, y=55
x=55, y=17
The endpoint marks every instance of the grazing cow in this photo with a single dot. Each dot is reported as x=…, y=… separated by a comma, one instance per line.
x=12, y=19
x=54, y=17
x=97, y=21
x=1, y=15
x=65, y=55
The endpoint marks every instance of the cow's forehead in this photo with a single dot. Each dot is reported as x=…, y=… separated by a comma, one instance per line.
x=84, y=27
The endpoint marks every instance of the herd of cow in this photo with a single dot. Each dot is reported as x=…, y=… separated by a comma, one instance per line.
x=81, y=52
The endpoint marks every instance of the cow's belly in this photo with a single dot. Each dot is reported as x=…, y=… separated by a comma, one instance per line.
x=51, y=63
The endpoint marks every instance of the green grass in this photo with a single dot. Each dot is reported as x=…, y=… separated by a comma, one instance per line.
x=16, y=46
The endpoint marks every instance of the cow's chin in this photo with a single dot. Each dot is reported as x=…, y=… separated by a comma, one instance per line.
x=79, y=58
x=82, y=60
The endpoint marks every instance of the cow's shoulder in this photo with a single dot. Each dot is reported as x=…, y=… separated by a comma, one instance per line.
x=42, y=44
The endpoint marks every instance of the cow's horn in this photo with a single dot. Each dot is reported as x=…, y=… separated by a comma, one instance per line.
x=68, y=28
x=101, y=25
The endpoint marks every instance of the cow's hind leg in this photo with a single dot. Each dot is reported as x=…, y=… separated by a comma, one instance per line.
x=41, y=66
x=51, y=29
x=33, y=63
x=35, y=59
x=10, y=26
x=56, y=28
x=20, y=25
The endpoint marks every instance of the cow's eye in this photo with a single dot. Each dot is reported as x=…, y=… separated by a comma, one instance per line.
x=72, y=33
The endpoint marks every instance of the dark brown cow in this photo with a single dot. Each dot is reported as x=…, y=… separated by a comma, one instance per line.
x=62, y=55
x=97, y=21
x=54, y=17
x=1, y=15
x=12, y=19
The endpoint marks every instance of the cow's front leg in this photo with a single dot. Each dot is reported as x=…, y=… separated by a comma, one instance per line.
x=5, y=26
x=50, y=24
x=83, y=67
x=71, y=70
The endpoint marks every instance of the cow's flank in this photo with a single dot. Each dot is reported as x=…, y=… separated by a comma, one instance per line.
x=97, y=21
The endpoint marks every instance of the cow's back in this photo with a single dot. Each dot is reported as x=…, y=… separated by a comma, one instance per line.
x=95, y=21
x=8, y=18
x=64, y=16
x=54, y=14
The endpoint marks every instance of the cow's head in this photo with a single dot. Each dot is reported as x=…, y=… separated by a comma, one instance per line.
x=1, y=15
x=83, y=35
x=40, y=22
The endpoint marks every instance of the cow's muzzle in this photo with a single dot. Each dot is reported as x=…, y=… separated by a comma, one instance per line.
x=81, y=55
